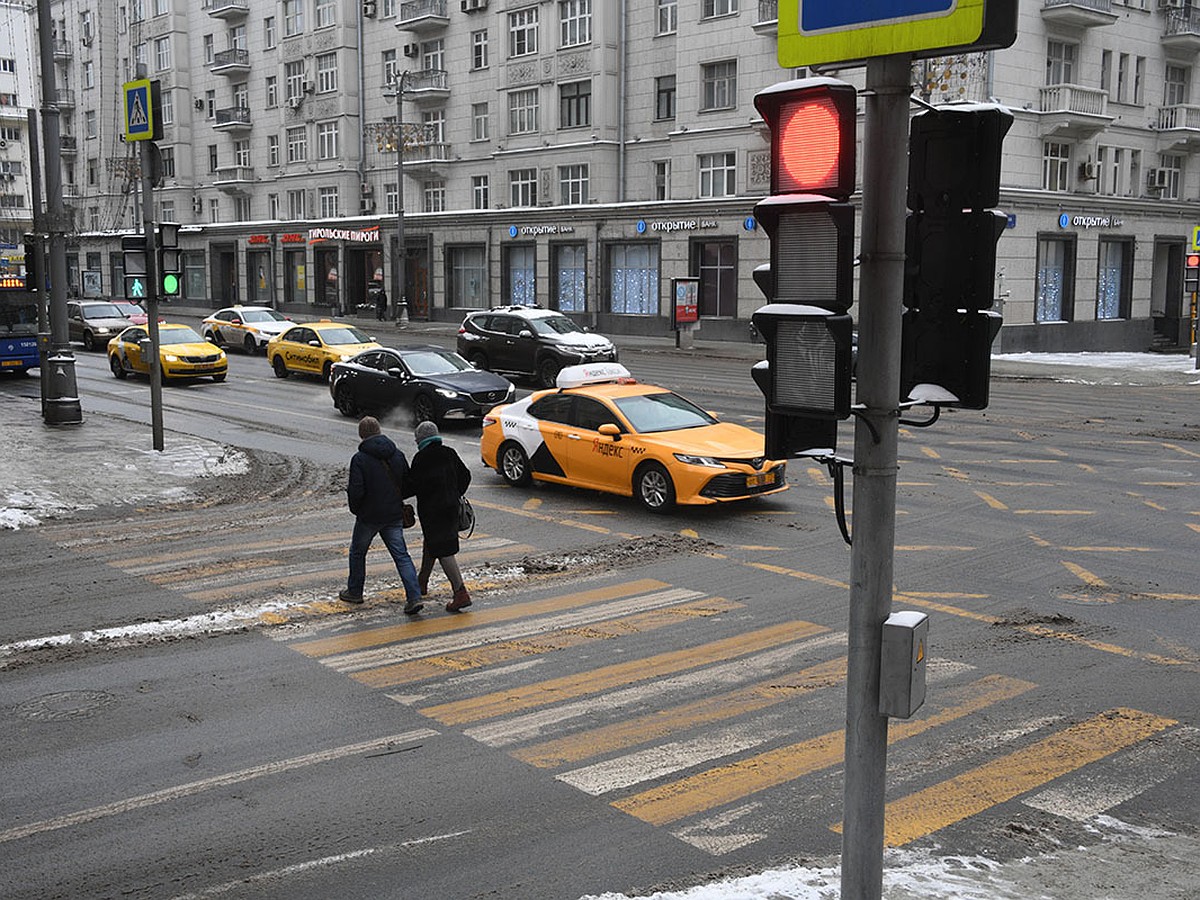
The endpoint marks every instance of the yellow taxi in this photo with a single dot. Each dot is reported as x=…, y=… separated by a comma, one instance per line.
x=313, y=348
x=181, y=353
x=603, y=430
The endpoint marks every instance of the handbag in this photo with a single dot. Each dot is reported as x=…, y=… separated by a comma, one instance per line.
x=408, y=516
x=466, y=517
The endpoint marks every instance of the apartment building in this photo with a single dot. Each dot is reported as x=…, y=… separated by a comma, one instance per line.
x=582, y=154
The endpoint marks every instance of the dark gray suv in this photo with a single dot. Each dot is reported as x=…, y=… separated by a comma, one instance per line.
x=529, y=340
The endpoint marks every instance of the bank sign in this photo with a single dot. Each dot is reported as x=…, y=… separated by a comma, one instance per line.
x=1085, y=221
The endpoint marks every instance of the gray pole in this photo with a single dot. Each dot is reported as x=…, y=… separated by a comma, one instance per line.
x=399, y=300
x=62, y=400
x=39, y=262
x=885, y=174
x=152, y=287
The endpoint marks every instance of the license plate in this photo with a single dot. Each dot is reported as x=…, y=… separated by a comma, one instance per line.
x=760, y=480
x=10, y=362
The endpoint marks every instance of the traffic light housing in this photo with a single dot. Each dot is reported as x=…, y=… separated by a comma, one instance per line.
x=809, y=282
x=133, y=259
x=170, y=260
x=34, y=278
x=1191, y=273
x=955, y=154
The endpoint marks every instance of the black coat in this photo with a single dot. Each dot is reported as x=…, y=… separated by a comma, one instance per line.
x=374, y=495
x=437, y=478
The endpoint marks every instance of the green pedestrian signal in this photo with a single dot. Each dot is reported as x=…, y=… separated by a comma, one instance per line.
x=135, y=287
x=170, y=284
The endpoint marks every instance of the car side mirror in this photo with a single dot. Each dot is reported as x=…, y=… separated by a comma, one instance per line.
x=397, y=372
x=608, y=429
x=314, y=343
x=525, y=333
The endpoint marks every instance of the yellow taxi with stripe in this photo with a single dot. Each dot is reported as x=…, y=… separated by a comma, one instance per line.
x=181, y=353
x=601, y=429
x=313, y=347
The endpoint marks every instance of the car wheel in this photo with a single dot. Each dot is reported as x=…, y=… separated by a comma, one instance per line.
x=548, y=372
x=478, y=359
x=89, y=341
x=344, y=402
x=653, y=488
x=423, y=409
x=250, y=344
x=114, y=363
x=219, y=378
x=514, y=465
x=214, y=338
x=280, y=367
x=325, y=370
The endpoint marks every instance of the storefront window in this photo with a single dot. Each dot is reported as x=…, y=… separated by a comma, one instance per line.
x=328, y=294
x=1112, y=282
x=520, y=274
x=715, y=263
x=570, y=278
x=194, y=286
x=466, y=277
x=295, y=277
x=1055, y=279
x=633, y=278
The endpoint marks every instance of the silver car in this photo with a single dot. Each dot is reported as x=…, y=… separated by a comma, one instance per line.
x=93, y=322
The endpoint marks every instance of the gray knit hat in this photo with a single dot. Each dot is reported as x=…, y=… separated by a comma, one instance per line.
x=425, y=430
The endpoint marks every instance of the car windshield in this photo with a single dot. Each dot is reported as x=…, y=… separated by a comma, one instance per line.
x=102, y=311
x=181, y=335
x=262, y=315
x=432, y=362
x=129, y=309
x=554, y=325
x=345, y=335
x=662, y=412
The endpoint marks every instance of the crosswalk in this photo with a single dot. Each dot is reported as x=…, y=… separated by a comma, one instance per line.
x=702, y=738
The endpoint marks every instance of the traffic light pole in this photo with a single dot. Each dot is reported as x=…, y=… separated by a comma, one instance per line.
x=881, y=283
x=153, y=285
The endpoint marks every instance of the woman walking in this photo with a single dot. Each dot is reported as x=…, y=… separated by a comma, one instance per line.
x=437, y=477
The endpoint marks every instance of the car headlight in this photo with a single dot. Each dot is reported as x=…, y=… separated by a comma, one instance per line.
x=100, y=329
x=447, y=393
x=171, y=357
x=221, y=354
x=512, y=392
x=691, y=460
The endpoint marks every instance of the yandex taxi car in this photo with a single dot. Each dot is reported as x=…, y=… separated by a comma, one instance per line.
x=248, y=327
x=181, y=353
x=314, y=347
x=601, y=429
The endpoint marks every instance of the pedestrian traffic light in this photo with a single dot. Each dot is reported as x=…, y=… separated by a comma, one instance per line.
x=1191, y=273
x=809, y=282
x=34, y=279
x=954, y=162
x=133, y=256
x=170, y=263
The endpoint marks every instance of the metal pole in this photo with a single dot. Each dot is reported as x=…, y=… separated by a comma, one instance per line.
x=400, y=300
x=38, y=263
x=62, y=401
x=875, y=462
x=152, y=287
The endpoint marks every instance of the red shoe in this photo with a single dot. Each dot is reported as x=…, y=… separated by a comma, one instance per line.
x=461, y=600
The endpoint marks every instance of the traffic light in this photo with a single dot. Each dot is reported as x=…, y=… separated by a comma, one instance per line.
x=133, y=255
x=170, y=263
x=1191, y=272
x=954, y=159
x=809, y=283
x=34, y=279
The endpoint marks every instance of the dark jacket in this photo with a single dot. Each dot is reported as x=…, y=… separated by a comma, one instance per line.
x=438, y=478
x=373, y=494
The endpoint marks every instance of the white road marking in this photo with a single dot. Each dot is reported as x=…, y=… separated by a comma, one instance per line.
x=701, y=835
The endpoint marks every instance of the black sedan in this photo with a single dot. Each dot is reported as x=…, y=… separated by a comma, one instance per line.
x=433, y=383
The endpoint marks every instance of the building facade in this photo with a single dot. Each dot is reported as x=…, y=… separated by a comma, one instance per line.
x=582, y=154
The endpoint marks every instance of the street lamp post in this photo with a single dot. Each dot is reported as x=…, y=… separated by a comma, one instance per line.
x=400, y=305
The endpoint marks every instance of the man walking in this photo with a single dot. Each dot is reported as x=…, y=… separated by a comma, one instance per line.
x=376, y=496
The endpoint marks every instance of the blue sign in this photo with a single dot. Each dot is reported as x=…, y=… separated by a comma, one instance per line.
x=139, y=111
x=641, y=226
x=749, y=223
x=512, y=230
x=821, y=16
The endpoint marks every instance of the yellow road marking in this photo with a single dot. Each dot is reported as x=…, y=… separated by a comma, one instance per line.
x=1194, y=527
x=532, y=503
x=1182, y=450
x=915, y=547
x=689, y=532
x=278, y=544
x=956, y=473
x=936, y=807
x=990, y=500
x=1088, y=578
x=931, y=453
x=606, y=678
x=530, y=514
x=662, y=723
x=735, y=781
x=1054, y=512
x=1086, y=467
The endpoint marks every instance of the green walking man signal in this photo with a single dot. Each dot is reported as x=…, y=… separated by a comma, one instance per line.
x=133, y=253
x=167, y=255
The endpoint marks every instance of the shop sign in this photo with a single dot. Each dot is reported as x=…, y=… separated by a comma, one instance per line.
x=670, y=225
x=687, y=300
x=353, y=235
x=1066, y=220
x=538, y=230
x=256, y=240
x=291, y=239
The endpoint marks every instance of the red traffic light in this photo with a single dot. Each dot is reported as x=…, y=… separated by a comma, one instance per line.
x=1193, y=261
x=812, y=122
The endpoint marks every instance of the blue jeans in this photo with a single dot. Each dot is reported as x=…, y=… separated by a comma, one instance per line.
x=393, y=539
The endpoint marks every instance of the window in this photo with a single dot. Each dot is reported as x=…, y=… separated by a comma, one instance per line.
x=668, y=17
x=296, y=205
x=662, y=179
x=272, y=149
x=1113, y=281
x=632, y=275
x=237, y=37
x=466, y=277
x=327, y=73
x=433, y=56
x=162, y=54
x=1122, y=78
x=479, y=50
x=1056, y=160
x=720, y=85
x=519, y=271
x=167, y=211
x=522, y=187
x=1055, y=279
x=241, y=95
x=89, y=124
x=1117, y=170
x=573, y=184
x=297, y=145
x=241, y=209
x=479, y=121
x=717, y=172
x=293, y=17
x=327, y=140
x=210, y=104
x=434, y=193
x=1060, y=62
x=1175, y=85
x=137, y=10
x=664, y=98
x=434, y=125
x=522, y=32
x=213, y=161
x=390, y=70
x=159, y=8
x=715, y=263
x=273, y=207
x=523, y=112
x=293, y=77
x=569, y=268
x=387, y=9
x=479, y=192
x=139, y=54
x=207, y=47
x=575, y=104
x=93, y=172
x=168, y=161
x=270, y=36
x=1172, y=164
x=1105, y=70
x=712, y=8
x=575, y=22
x=89, y=74
x=391, y=198
x=272, y=90
x=327, y=202
x=1139, y=80
x=325, y=10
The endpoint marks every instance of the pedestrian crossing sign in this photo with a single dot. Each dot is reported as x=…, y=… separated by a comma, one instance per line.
x=139, y=111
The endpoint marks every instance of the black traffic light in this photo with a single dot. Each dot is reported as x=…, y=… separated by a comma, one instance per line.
x=170, y=262
x=809, y=283
x=954, y=162
x=34, y=278
x=1191, y=272
x=133, y=257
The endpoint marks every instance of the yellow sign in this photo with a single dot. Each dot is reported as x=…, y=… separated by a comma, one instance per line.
x=139, y=110
x=812, y=32
x=1195, y=248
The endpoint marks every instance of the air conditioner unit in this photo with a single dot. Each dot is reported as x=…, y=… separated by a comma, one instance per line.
x=473, y=5
x=411, y=50
x=1158, y=179
x=369, y=9
x=308, y=87
x=295, y=102
x=198, y=103
x=3, y=145
x=367, y=205
x=367, y=190
x=1087, y=171
x=7, y=176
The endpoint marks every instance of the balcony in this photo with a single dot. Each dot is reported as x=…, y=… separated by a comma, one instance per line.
x=67, y=144
x=423, y=16
x=230, y=62
x=1182, y=34
x=228, y=9
x=426, y=159
x=235, y=118
x=1072, y=111
x=65, y=98
x=427, y=85
x=1079, y=13
x=1179, y=128
x=768, y=17
x=234, y=179
x=62, y=49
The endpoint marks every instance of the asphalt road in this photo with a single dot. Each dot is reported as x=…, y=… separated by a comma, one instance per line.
x=633, y=701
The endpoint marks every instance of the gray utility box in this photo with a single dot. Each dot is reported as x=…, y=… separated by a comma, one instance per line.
x=902, y=664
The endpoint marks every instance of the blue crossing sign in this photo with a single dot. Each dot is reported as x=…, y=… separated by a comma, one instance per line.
x=139, y=110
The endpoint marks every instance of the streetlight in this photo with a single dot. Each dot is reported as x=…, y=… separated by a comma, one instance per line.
x=400, y=305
